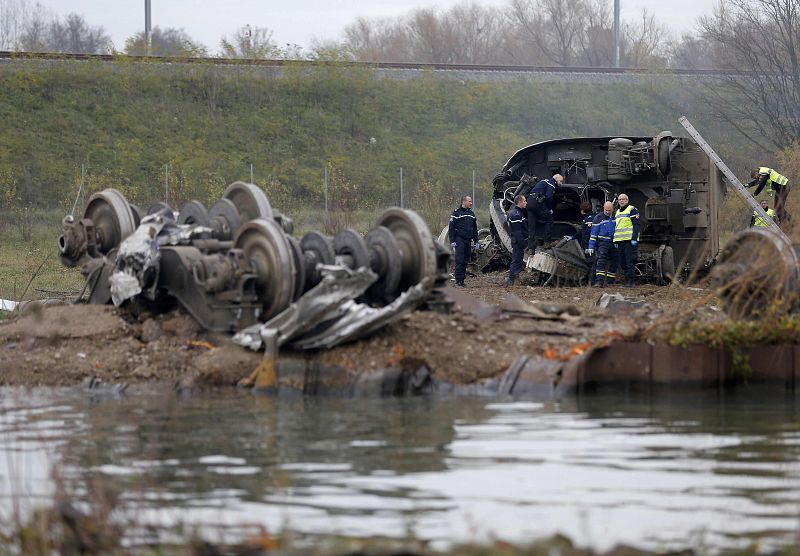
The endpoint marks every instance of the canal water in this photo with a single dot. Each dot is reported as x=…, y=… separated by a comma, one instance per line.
x=674, y=471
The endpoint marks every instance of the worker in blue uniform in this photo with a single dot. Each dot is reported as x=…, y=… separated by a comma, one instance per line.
x=540, y=209
x=601, y=245
x=626, y=236
x=518, y=230
x=463, y=234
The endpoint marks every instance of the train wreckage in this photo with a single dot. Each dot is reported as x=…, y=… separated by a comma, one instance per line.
x=676, y=186
x=237, y=268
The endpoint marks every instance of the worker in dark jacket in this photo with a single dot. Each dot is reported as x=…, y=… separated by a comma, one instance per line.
x=626, y=236
x=518, y=230
x=540, y=209
x=586, y=226
x=463, y=233
x=776, y=184
x=601, y=244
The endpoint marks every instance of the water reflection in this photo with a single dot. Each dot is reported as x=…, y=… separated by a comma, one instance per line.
x=692, y=470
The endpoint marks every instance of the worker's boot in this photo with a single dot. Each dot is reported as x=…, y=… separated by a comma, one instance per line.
x=460, y=285
x=509, y=281
x=599, y=284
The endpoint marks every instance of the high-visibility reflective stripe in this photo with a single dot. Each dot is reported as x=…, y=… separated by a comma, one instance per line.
x=780, y=179
x=760, y=221
x=462, y=216
x=773, y=176
x=515, y=221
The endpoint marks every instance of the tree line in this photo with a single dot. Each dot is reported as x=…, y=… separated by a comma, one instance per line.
x=524, y=32
x=30, y=27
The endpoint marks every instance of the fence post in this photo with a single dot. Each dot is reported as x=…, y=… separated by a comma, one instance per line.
x=325, y=182
x=251, y=173
x=166, y=183
x=401, y=188
x=473, y=188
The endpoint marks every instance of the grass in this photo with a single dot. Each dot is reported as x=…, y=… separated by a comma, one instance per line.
x=28, y=266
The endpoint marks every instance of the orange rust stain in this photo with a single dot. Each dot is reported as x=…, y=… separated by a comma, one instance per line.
x=579, y=349
x=398, y=353
x=199, y=343
x=551, y=353
x=263, y=540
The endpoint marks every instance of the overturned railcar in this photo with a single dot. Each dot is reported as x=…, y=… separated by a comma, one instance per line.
x=676, y=187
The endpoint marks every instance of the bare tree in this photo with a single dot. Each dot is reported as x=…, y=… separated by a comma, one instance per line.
x=43, y=32
x=431, y=37
x=580, y=33
x=255, y=43
x=36, y=33
x=596, y=42
x=382, y=40
x=693, y=52
x=14, y=15
x=466, y=33
x=534, y=32
x=476, y=33
x=73, y=34
x=644, y=44
x=165, y=42
x=761, y=40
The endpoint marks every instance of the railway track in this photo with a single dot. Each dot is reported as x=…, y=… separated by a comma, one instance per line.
x=61, y=56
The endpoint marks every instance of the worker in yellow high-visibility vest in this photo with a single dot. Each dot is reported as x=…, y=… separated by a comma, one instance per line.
x=626, y=236
x=775, y=183
x=757, y=220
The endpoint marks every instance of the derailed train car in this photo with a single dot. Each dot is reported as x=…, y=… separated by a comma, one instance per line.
x=676, y=187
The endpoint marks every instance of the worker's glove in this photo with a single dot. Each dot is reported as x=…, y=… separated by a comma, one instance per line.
x=551, y=211
x=477, y=246
x=634, y=243
x=453, y=245
x=568, y=238
x=589, y=252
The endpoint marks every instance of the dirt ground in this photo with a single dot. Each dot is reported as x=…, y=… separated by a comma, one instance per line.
x=68, y=344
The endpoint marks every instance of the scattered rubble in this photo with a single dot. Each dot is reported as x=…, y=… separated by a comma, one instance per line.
x=68, y=344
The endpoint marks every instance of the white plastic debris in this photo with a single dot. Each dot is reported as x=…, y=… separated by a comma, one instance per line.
x=7, y=305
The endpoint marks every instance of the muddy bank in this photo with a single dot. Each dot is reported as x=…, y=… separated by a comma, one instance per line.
x=65, y=345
